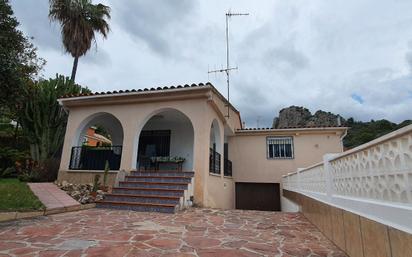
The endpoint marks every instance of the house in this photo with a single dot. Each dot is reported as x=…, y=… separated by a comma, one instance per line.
x=185, y=142
x=94, y=139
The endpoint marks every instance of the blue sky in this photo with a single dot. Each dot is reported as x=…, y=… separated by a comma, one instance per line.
x=349, y=57
x=357, y=98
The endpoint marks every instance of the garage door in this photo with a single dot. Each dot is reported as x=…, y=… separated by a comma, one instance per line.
x=258, y=196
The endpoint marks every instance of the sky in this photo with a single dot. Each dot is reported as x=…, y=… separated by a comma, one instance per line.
x=350, y=57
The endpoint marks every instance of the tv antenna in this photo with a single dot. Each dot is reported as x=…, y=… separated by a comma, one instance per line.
x=228, y=15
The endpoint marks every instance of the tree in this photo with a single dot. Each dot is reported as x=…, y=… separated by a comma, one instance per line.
x=42, y=118
x=79, y=20
x=19, y=62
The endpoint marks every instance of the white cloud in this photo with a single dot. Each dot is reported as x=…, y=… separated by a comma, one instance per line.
x=316, y=54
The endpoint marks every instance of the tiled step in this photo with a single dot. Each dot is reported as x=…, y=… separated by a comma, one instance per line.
x=148, y=191
x=152, y=191
x=167, y=185
x=163, y=173
x=159, y=199
x=136, y=206
x=179, y=179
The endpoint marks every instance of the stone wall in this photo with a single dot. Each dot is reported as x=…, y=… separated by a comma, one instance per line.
x=85, y=177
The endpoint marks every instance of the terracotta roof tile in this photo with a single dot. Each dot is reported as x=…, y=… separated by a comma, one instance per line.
x=292, y=127
x=159, y=88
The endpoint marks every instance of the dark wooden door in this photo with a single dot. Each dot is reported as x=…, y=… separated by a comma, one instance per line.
x=158, y=140
x=258, y=196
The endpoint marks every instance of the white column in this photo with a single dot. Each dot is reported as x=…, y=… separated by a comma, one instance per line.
x=328, y=174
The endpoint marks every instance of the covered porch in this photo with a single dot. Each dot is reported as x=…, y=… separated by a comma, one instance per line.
x=165, y=142
x=153, y=131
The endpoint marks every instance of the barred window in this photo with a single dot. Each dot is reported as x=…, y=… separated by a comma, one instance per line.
x=279, y=147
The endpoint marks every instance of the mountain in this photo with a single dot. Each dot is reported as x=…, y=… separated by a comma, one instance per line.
x=359, y=132
x=363, y=132
x=295, y=116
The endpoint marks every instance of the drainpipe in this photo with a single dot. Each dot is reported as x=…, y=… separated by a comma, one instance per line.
x=342, y=137
x=62, y=105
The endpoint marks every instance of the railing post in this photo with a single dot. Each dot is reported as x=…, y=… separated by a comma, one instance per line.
x=327, y=167
x=299, y=186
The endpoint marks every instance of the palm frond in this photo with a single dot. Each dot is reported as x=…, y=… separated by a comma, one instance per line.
x=79, y=20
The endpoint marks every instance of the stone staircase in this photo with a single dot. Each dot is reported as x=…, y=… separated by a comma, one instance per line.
x=151, y=191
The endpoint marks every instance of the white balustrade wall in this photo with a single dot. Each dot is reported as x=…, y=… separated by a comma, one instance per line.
x=373, y=180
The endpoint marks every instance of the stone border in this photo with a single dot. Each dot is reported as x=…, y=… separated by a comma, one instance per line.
x=8, y=216
x=354, y=234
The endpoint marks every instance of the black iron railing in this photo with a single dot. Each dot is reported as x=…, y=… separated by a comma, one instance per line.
x=94, y=158
x=227, y=171
x=214, y=162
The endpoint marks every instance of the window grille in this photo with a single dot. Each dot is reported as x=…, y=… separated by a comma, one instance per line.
x=279, y=147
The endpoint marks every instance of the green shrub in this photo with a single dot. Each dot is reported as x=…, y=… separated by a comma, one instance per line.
x=8, y=172
x=45, y=171
x=9, y=157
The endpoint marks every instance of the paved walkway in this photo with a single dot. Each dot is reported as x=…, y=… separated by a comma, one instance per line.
x=51, y=196
x=195, y=232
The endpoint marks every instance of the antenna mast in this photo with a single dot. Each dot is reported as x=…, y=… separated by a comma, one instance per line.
x=228, y=68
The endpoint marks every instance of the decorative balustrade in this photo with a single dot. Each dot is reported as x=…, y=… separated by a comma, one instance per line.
x=374, y=179
x=312, y=179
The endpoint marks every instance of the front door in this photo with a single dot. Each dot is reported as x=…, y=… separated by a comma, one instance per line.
x=153, y=143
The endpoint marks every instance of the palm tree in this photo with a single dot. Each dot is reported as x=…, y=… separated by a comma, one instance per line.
x=79, y=20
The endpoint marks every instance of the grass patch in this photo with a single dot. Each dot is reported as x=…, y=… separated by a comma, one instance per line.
x=17, y=196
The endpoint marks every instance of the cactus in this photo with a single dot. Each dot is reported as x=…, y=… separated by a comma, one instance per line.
x=96, y=183
x=42, y=118
x=106, y=173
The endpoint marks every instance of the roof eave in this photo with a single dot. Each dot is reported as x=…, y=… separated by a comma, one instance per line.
x=262, y=131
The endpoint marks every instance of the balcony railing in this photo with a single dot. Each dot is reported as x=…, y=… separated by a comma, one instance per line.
x=214, y=161
x=94, y=158
x=373, y=180
x=227, y=168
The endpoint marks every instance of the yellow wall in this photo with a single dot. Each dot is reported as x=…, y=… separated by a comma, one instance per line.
x=250, y=164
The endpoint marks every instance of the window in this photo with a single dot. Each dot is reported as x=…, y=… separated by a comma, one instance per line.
x=279, y=147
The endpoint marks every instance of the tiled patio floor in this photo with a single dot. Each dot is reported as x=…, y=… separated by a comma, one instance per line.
x=196, y=232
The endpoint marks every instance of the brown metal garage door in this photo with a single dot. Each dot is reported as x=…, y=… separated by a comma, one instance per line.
x=258, y=196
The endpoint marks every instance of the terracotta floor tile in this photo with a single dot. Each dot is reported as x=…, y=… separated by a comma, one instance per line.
x=194, y=232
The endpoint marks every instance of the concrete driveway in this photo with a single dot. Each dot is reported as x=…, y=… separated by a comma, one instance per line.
x=194, y=232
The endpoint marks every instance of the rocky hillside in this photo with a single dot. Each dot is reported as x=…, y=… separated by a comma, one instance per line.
x=359, y=132
x=295, y=116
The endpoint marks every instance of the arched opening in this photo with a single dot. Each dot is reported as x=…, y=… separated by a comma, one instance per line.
x=166, y=142
x=227, y=163
x=215, y=148
x=98, y=139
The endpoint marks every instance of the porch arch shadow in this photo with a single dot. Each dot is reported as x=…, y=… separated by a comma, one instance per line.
x=86, y=156
x=166, y=132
